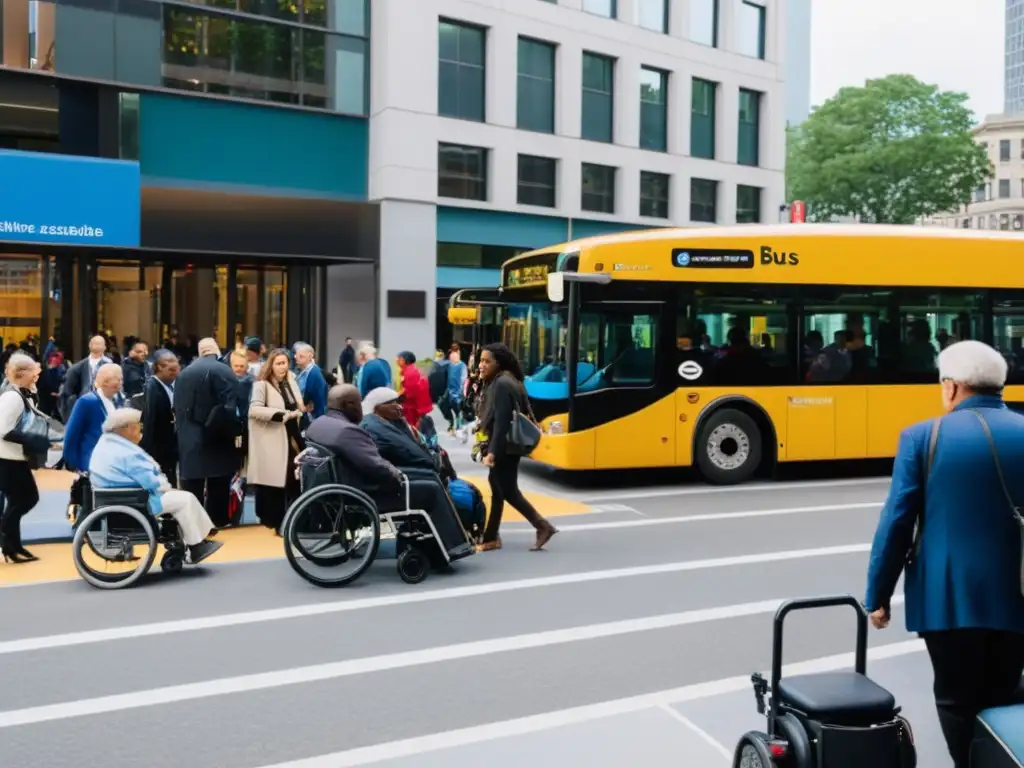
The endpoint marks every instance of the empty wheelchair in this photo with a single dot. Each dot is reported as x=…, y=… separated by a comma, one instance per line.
x=116, y=538
x=827, y=720
x=332, y=532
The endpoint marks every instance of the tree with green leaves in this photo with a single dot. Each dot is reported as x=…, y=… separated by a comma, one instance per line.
x=888, y=153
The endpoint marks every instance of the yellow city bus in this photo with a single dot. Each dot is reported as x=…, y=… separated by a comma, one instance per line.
x=736, y=348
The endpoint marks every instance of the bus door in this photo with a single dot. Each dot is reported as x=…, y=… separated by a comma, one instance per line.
x=624, y=383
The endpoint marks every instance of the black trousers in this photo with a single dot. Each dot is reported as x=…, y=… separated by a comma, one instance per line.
x=213, y=492
x=974, y=669
x=20, y=496
x=504, y=481
x=431, y=497
x=272, y=503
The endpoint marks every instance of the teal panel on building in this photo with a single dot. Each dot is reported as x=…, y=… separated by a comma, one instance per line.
x=209, y=142
x=517, y=230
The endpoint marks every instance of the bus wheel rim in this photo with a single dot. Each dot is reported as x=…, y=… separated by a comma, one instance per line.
x=728, y=447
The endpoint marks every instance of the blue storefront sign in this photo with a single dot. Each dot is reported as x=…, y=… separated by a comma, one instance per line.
x=67, y=200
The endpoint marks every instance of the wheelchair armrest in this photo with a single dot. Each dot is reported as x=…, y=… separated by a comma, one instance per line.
x=136, y=498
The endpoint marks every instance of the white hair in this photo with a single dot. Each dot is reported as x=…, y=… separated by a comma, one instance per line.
x=366, y=348
x=973, y=364
x=304, y=347
x=19, y=362
x=121, y=418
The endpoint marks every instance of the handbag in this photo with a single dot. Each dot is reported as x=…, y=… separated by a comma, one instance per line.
x=1014, y=509
x=523, y=433
x=33, y=434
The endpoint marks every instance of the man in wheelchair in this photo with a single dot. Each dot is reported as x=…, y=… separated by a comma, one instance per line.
x=119, y=462
x=339, y=431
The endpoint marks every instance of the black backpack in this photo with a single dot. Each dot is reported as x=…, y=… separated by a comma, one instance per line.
x=437, y=380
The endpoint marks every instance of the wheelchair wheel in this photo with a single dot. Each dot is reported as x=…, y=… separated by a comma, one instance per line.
x=172, y=562
x=331, y=535
x=413, y=565
x=114, y=547
x=752, y=752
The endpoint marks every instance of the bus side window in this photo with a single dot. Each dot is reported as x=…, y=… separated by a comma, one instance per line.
x=1008, y=332
x=929, y=322
x=844, y=333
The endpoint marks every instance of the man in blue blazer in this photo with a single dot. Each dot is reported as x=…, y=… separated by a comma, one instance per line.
x=963, y=575
x=88, y=414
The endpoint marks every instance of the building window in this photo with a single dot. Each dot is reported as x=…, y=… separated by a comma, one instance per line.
x=704, y=22
x=702, y=119
x=461, y=75
x=751, y=25
x=1004, y=150
x=748, y=151
x=748, y=205
x=206, y=52
x=653, y=109
x=598, y=188
x=598, y=97
x=604, y=8
x=979, y=193
x=461, y=172
x=653, y=15
x=536, y=181
x=654, y=189
x=704, y=200
x=1004, y=188
x=535, y=92
x=128, y=125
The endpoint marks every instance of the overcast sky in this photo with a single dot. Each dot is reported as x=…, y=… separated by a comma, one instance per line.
x=954, y=44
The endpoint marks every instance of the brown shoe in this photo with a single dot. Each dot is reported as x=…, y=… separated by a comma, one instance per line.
x=489, y=546
x=543, y=537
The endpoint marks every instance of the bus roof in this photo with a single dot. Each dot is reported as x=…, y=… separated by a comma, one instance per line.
x=851, y=254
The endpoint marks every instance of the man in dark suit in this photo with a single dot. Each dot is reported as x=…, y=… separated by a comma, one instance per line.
x=206, y=419
x=963, y=582
x=81, y=376
x=159, y=439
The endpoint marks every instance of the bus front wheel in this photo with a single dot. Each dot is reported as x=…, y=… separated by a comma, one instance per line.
x=729, y=447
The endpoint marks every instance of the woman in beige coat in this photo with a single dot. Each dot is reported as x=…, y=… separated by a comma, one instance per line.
x=274, y=439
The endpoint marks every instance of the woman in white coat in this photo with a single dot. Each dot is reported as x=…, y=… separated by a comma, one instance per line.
x=274, y=439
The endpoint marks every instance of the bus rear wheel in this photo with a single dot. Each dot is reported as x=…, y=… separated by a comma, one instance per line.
x=728, y=447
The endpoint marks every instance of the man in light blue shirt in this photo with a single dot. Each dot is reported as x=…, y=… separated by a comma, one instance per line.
x=119, y=462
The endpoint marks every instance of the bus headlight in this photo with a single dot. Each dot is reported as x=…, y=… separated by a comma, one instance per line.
x=556, y=428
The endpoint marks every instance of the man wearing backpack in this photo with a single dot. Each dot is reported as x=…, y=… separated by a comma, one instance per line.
x=451, y=402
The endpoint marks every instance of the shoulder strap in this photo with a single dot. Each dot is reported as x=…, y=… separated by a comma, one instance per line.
x=995, y=459
x=933, y=440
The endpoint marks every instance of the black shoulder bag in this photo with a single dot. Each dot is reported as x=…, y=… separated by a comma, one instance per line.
x=1014, y=509
x=523, y=433
x=933, y=440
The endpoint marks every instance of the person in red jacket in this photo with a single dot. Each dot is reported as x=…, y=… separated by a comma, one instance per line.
x=416, y=389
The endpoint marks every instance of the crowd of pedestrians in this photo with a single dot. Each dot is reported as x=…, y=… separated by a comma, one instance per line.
x=200, y=429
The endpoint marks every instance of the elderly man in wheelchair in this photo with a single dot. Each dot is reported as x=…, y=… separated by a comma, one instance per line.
x=333, y=529
x=133, y=506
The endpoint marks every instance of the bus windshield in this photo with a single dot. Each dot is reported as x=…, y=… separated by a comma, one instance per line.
x=535, y=332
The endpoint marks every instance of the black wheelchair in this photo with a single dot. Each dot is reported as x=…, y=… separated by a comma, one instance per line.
x=116, y=537
x=827, y=720
x=332, y=531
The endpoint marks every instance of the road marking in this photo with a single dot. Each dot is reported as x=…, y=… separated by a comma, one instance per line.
x=697, y=731
x=559, y=719
x=648, y=521
x=607, y=509
x=658, y=493
x=402, y=660
x=342, y=606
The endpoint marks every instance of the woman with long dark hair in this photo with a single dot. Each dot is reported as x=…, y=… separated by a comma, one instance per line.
x=504, y=395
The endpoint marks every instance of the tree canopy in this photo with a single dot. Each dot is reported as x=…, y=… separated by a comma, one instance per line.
x=889, y=152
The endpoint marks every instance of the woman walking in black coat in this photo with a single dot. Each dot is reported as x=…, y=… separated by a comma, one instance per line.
x=505, y=394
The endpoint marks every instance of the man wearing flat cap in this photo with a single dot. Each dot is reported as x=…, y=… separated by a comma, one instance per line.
x=119, y=462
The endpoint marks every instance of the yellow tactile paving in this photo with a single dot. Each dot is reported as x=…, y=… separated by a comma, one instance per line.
x=240, y=544
x=53, y=479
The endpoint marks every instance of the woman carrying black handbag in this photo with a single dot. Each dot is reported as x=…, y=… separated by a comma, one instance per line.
x=510, y=434
x=23, y=447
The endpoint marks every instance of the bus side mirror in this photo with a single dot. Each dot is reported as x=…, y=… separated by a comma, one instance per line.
x=556, y=287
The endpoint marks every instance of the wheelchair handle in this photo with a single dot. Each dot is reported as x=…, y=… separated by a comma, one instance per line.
x=861, y=654
x=405, y=481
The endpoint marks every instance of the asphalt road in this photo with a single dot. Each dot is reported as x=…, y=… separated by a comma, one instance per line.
x=630, y=642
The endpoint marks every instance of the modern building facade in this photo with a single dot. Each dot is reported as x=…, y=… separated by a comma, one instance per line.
x=334, y=168
x=497, y=127
x=797, y=61
x=178, y=168
x=998, y=204
x=1013, y=78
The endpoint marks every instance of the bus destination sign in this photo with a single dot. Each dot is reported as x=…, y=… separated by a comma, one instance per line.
x=528, y=275
x=684, y=258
